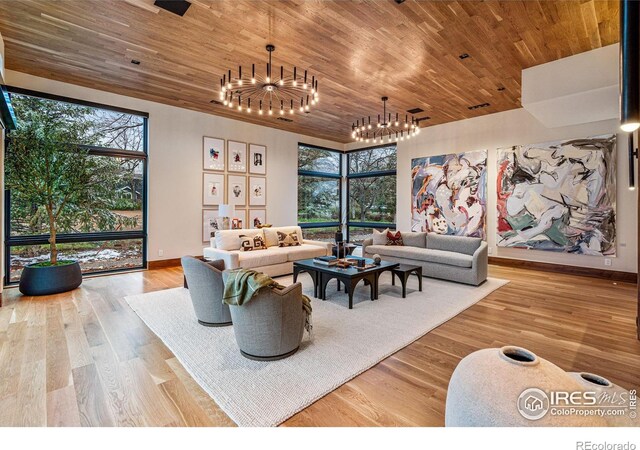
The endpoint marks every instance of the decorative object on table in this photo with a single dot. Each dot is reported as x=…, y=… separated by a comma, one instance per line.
x=449, y=194
x=394, y=238
x=257, y=159
x=212, y=189
x=257, y=218
x=213, y=154
x=326, y=260
x=226, y=213
x=391, y=127
x=257, y=191
x=237, y=189
x=506, y=387
x=234, y=224
x=376, y=259
x=263, y=92
x=559, y=196
x=288, y=239
x=209, y=224
x=206, y=287
x=361, y=262
x=237, y=156
x=608, y=395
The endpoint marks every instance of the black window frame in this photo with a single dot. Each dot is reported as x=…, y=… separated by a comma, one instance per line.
x=13, y=241
x=373, y=174
x=327, y=175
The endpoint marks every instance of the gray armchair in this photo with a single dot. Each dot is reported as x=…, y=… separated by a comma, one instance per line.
x=271, y=325
x=204, y=279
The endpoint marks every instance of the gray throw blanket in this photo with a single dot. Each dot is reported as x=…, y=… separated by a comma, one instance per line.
x=242, y=285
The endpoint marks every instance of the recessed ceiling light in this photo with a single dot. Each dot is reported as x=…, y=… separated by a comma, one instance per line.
x=481, y=105
x=135, y=61
x=464, y=56
x=501, y=88
x=399, y=1
x=284, y=119
x=415, y=110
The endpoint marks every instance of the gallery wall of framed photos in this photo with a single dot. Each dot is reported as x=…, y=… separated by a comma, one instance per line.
x=233, y=173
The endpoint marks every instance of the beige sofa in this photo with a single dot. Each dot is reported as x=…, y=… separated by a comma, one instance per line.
x=274, y=261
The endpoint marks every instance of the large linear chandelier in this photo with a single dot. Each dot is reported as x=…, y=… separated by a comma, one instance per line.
x=389, y=126
x=272, y=92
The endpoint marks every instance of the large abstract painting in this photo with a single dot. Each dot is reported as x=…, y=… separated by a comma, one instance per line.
x=448, y=194
x=558, y=196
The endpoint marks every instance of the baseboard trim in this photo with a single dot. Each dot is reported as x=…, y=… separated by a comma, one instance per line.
x=613, y=275
x=164, y=263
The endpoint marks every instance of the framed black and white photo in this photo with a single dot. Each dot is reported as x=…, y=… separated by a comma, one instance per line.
x=237, y=156
x=212, y=189
x=209, y=224
x=257, y=159
x=237, y=190
x=213, y=155
x=257, y=191
x=257, y=217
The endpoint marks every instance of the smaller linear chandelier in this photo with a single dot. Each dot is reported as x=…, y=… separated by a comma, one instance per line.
x=264, y=94
x=386, y=128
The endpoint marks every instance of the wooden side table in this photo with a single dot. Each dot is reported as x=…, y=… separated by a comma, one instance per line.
x=403, y=271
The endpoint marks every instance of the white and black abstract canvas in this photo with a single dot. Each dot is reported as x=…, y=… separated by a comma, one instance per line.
x=558, y=196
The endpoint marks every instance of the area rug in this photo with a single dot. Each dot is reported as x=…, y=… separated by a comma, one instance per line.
x=344, y=344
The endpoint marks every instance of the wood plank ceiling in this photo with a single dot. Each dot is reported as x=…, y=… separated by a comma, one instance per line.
x=360, y=50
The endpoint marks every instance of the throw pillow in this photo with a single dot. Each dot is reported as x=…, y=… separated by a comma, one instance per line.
x=288, y=240
x=250, y=243
x=380, y=237
x=394, y=238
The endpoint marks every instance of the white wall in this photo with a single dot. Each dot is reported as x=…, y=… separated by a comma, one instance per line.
x=175, y=163
x=503, y=130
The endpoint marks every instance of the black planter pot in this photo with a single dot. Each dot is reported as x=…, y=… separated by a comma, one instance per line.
x=50, y=280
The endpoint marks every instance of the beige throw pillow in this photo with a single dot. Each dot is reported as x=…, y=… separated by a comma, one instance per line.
x=252, y=242
x=288, y=240
x=380, y=237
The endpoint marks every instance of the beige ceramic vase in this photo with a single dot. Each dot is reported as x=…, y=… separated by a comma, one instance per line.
x=610, y=397
x=508, y=387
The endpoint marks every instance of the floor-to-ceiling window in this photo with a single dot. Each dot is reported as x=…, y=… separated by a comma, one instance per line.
x=319, y=191
x=100, y=240
x=371, y=187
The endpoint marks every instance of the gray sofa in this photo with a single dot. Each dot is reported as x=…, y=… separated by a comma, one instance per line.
x=454, y=258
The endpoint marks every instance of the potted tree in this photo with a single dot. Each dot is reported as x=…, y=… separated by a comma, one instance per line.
x=66, y=187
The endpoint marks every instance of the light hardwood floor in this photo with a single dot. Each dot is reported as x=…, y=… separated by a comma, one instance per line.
x=86, y=359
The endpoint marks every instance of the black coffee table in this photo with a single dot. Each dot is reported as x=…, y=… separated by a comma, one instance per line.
x=403, y=271
x=350, y=277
